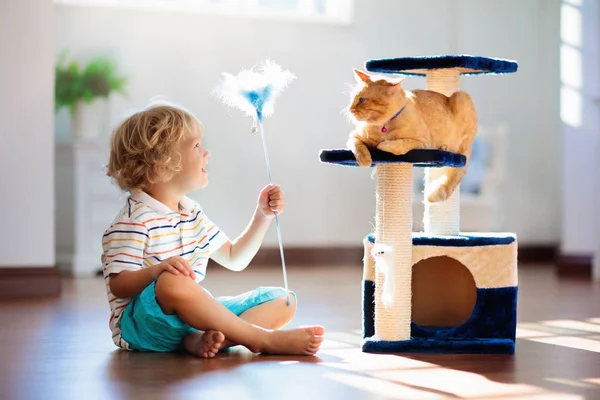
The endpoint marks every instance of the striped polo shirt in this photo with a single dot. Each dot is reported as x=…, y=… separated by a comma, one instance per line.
x=147, y=232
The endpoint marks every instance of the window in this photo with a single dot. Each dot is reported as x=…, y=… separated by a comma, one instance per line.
x=331, y=11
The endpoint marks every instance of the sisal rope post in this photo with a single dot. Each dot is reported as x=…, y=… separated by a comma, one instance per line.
x=394, y=228
x=442, y=218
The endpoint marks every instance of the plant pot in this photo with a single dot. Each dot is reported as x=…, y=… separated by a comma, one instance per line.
x=90, y=119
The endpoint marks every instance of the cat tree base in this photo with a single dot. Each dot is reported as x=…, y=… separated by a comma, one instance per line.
x=436, y=346
x=464, y=291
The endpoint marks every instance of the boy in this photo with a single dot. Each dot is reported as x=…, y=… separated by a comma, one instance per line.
x=156, y=250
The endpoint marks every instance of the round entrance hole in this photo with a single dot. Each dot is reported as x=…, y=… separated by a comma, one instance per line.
x=443, y=292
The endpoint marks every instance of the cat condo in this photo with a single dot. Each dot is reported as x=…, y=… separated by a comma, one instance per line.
x=440, y=290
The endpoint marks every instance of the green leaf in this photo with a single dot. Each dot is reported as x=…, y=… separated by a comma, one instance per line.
x=98, y=79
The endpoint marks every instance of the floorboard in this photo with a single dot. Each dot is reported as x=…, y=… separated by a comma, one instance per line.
x=61, y=348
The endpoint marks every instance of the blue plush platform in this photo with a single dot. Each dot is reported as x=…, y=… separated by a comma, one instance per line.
x=471, y=65
x=465, y=239
x=454, y=346
x=419, y=158
x=490, y=329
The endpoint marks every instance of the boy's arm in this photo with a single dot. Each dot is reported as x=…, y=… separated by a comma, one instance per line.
x=237, y=255
x=131, y=283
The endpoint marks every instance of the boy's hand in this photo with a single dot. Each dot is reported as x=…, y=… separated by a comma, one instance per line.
x=176, y=265
x=270, y=201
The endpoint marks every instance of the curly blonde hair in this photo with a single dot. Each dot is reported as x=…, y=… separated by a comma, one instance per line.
x=143, y=146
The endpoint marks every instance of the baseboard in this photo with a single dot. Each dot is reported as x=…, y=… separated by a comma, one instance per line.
x=310, y=256
x=575, y=266
x=353, y=255
x=29, y=282
x=534, y=254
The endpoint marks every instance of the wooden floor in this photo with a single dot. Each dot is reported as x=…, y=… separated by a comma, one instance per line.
x=61, y=349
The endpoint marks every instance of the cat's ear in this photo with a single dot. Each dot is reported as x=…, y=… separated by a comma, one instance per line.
x=361, y=76
x=396, y=81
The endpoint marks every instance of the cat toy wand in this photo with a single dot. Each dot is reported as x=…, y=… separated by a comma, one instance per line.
x=254, y=92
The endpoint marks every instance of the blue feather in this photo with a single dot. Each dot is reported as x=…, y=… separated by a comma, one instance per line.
x=258, y=99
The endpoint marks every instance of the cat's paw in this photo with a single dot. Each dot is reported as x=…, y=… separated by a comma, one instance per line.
x=437, y=193
x=436, y=197
x=363, y=158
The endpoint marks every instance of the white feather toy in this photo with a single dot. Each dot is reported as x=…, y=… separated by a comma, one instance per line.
x=254, y=92
x=384, y=262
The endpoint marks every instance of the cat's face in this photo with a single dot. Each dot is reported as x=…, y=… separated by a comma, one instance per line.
x=375, y=101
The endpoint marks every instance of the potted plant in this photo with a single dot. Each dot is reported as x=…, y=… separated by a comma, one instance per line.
x=85, y=92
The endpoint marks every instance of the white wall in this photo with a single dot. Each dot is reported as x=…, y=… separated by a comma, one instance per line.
x=182, y=56
x=27, y=133
x=526, y=31
x=580, y=76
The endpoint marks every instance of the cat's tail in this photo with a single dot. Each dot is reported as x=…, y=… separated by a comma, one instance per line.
x=442, y=188
x=465, y=115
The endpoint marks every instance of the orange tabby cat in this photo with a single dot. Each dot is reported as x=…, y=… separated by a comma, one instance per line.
x=395, y=120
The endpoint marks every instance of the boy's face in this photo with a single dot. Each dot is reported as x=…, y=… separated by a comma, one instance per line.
x=194, y=159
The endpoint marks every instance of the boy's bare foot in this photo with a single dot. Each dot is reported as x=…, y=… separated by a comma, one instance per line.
x=302, y=341
x=205, y=345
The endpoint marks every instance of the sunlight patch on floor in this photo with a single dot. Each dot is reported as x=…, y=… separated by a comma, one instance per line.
x=523, y=333
x=355, y=360
x=463, y=384
x=378, y=387
x=570, y=333
x=578, y=343
x=431, y=383
x=571, y=382
x=289, y=362
x=539, y=327
x=352, y=339
x=329, y=344
x=396, y=377
x=574, y=325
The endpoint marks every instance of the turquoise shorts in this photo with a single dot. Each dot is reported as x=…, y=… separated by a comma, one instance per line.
x=145, y=327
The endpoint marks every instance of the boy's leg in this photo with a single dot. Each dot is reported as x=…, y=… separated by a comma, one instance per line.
x=177, y=294
x=273, y=314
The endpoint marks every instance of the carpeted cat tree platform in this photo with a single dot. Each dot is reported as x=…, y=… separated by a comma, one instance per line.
x=453, y=292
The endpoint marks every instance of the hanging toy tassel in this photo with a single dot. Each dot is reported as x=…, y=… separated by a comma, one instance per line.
x=262, y=134
x=254, y=128
x=384, y=263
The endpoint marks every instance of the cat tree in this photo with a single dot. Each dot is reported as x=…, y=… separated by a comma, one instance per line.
x=453, y=292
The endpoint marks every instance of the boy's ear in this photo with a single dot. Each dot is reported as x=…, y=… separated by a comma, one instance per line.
x=152, y=174
x=157, y=173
